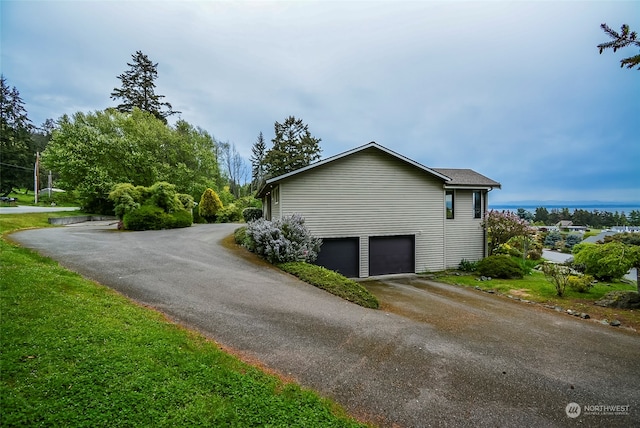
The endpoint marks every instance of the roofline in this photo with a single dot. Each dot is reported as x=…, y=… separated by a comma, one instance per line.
x=472, y=187
x=350, y=152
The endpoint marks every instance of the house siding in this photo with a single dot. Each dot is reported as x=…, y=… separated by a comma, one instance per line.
x=464, y=235
x=370, y=193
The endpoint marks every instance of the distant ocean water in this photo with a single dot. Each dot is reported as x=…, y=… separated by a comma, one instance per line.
x=571, y=206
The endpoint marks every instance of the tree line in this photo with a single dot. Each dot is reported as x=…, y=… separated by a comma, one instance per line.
x=132, y=142
x=595, y=219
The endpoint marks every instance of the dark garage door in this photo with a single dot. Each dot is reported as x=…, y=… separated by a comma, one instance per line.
x=340, y=254
x=391, y=254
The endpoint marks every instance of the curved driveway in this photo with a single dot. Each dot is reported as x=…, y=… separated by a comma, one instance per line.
x=460, y=357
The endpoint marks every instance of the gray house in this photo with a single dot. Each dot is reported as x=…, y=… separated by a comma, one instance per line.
x=379, y=212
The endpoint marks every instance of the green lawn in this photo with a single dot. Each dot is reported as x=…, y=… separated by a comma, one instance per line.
x=75, y=353
x=536, y=287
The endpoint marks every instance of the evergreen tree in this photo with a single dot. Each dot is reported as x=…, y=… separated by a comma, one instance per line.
x=138, y=89
x=541, y=215
x=258, y=153
x=209, y=206
x=293, y=147
x=620, y=40
x=16, y=155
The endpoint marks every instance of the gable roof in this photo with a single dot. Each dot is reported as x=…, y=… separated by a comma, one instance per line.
x=454, y=177
x=466, y=177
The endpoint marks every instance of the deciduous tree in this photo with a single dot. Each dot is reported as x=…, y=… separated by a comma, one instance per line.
x=92, y=152
x=607, y=261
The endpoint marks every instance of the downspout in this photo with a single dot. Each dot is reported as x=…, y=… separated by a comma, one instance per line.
x=444, y=227
x=484, y=218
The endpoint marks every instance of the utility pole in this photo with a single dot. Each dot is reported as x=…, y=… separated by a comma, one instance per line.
x=36, y=175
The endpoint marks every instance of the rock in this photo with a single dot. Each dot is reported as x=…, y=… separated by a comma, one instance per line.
x=584, y=316
x=620, y=300
x=614, y=323
x=558, y=308
x=605, y=322
x=569, y=311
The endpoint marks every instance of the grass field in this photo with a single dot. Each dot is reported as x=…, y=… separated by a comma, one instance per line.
x=75, y=353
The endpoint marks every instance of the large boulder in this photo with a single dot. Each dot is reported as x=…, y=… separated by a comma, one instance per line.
x=620, y=299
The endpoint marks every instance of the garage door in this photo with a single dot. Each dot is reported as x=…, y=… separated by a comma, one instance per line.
x=341, y=255
x=391, y=254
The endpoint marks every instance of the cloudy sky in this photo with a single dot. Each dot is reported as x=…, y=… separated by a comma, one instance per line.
x=514, y=90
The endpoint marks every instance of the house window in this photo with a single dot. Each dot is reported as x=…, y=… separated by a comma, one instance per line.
x=477, y=204
x=275, y=195
x=448, y=203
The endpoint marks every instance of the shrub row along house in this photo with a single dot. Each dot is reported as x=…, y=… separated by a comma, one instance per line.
x=379, y=212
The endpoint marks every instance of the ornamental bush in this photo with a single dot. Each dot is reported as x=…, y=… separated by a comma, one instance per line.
x=151, y=217
x=552, y=239
x=580, y=283
x=229, y=214
x=209, y=205
x=251, y=214
x=499, y=267
x=147, y=217
x=571, y=240
x=283, y=240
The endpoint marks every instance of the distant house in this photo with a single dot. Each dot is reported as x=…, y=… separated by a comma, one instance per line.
x=568, y=225
x=379, y=212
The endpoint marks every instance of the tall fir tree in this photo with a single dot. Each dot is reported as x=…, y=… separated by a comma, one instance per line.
x=138, y=89
x=624, y=38
x=293, y=147
x=258, y=153
x=16, y=148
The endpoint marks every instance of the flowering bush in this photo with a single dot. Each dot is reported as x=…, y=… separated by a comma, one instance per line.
x=283, y=240
x=502, y=226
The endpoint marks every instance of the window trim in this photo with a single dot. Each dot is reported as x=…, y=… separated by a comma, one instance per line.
x=477, y=204
x=449, y=213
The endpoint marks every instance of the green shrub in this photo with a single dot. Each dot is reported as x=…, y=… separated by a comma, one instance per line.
x=180, y=218
x=209, y=205
x=526, y=265
x=467, y=265
x=147, y=217
x=164, y=195
x=251, y=214
x=126, y=198
x=580, y=283
x=558, y=275
x=332, y=282
x=604, y=261
x=571, y=240
x=552, y=239
x=186, y=201
x=499, y=267
x=241, y=237
x=229, y=214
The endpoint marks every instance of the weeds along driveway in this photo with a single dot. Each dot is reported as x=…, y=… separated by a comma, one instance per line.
x=437, y=356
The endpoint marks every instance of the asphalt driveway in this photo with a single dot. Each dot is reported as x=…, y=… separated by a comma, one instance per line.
x=437, y=356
